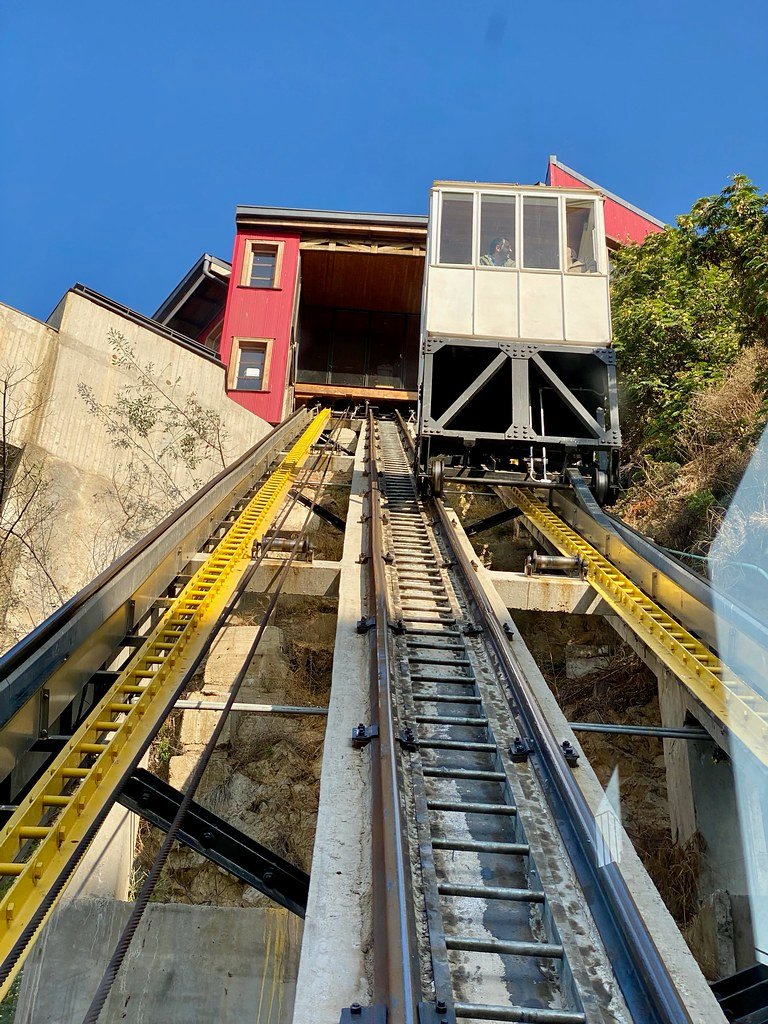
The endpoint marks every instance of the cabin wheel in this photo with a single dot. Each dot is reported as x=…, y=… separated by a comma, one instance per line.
x=600, y=485
x=436, y=477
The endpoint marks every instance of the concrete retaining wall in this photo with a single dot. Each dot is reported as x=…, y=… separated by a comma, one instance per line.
x=77, y=522
x=186, y=965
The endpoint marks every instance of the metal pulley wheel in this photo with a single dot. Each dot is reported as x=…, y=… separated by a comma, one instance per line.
x=536, y=564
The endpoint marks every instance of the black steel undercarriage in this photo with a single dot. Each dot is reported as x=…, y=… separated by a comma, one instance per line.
x=504, y=412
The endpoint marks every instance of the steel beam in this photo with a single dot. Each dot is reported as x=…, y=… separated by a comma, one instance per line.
x=322, y=513
x=490, y=521
x=208, y=834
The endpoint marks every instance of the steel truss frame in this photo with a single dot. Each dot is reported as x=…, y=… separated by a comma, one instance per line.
x=601, y=430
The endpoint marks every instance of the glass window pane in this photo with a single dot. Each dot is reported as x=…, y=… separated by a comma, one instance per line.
x=497, y=231
x=263, y=269
x=580, y=249
x=315, y=333
x=250, y=370
x=540, y=233
x=385, y=355
x=456, y=228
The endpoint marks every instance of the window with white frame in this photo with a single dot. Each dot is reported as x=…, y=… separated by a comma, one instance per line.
x=497, y=231
x=541, y=233
x=524, y=231
x=456, y=228
x=580, y=248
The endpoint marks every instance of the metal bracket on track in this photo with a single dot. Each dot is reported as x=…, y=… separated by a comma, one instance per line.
x=439, y=1012
x=358, y=1014
x=362, y=735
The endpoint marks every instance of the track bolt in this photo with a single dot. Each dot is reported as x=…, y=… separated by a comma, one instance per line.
x=441, y=1006
x=569, y=753
x=356, y=1008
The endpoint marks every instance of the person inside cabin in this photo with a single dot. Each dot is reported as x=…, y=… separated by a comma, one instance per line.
x=574, y=263
x=499, y=254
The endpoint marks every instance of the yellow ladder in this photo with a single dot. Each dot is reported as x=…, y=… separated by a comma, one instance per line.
x=741, y=710
x=51, y=823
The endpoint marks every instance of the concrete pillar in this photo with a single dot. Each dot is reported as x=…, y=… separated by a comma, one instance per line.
x=333, y=968
x=674, y=708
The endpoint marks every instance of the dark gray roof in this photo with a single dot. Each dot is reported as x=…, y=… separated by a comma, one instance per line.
x=279, y=213
x=199, y=272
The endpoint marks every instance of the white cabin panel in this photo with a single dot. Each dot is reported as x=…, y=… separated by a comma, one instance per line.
x=449, y=301
x=586, y=309
x=496, y=306
x=541, y=307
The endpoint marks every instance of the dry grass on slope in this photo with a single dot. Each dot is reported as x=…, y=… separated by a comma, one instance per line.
x=682, y=505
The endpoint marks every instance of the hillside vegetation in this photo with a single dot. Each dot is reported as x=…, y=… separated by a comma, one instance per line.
x=690, y=321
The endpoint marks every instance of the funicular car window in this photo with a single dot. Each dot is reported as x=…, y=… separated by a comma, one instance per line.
x=497, y=231
x=580, y=251
x=456, y=228
x=540, y=233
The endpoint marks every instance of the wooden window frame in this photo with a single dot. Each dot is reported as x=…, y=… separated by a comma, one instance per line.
x=259, y=245
x=238, y=344
x=216, y=333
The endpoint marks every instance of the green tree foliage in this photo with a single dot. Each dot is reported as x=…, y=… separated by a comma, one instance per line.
x=683, y=304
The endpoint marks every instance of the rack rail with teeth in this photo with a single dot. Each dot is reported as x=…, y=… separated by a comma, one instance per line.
x=489, y=873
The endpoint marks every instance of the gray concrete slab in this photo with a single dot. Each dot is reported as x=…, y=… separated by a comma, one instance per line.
x=318, y=578
x=547, y=593
x=332, y=971
x=186, y=965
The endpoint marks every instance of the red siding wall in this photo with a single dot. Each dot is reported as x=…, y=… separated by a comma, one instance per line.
x=621, y=225
x=262, y=313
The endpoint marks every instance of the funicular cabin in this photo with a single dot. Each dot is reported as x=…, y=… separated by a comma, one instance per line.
x=517, y=374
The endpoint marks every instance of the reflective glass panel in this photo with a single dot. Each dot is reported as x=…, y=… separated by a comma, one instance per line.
x=497, y=231
x=580, y=251
x=456, y=228
x=540, y=233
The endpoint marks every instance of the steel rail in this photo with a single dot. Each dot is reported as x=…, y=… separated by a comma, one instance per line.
x=46, y=835
x=396, y=965
x=716, y=618
x=174, y=829
x=646, y=983
x=742, y=710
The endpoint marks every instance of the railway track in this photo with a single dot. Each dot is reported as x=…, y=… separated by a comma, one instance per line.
x=495, y=896
x=501, y=921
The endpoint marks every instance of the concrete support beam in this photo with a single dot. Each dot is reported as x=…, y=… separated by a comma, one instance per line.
x=310, y=579
x=547, y=593
x=337, y=928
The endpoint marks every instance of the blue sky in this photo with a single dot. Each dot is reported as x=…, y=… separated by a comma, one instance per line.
x=130, y=132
